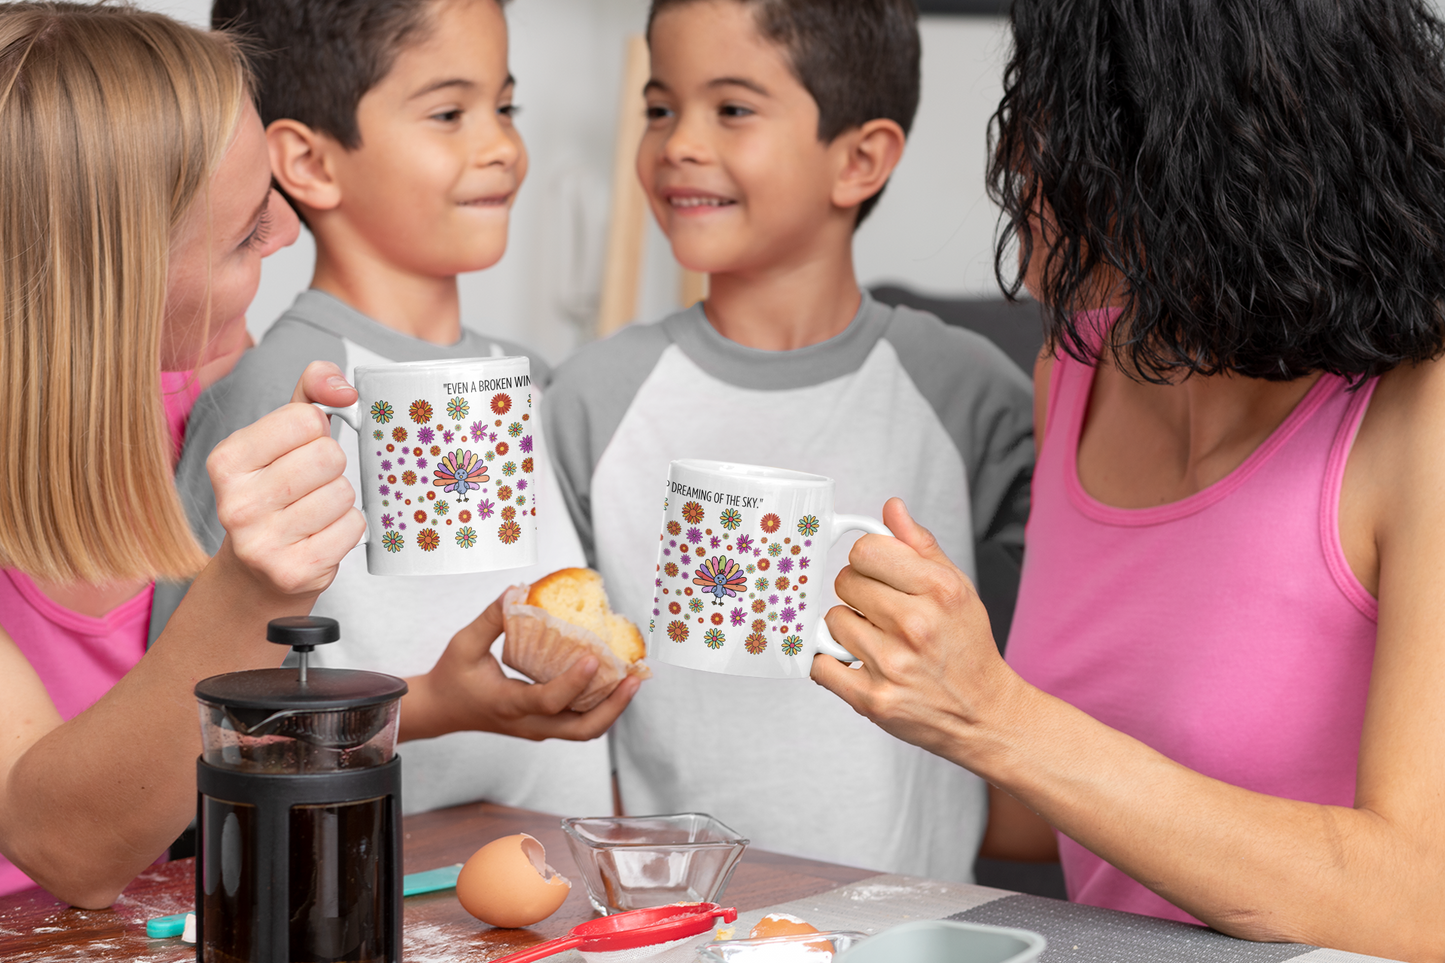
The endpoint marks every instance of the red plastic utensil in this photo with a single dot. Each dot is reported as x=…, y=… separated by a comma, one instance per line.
x=632, y=930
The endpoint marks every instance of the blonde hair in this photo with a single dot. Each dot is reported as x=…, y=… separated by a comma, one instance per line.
x=112, y=121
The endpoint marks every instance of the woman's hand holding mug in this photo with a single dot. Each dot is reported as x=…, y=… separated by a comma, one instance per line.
x=289, y=513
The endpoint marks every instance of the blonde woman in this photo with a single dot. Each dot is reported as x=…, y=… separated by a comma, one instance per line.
x=135, y=207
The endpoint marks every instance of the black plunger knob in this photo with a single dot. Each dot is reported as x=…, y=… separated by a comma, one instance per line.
x=303, y=632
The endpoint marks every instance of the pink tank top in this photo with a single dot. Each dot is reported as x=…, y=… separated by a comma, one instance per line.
x=1225, y=630
x=79, y=657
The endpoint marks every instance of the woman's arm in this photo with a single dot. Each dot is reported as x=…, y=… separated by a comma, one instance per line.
x=87, y=804
x=1370, y=879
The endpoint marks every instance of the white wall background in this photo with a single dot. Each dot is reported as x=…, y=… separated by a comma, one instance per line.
x=933, y=230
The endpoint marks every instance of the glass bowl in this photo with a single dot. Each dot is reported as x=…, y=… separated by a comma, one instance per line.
x=794, y=948
x=629, y=862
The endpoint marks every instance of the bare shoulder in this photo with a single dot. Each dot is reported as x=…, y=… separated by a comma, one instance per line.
x=1392, y=491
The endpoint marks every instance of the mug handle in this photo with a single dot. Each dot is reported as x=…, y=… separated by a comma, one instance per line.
x=350, y=415
x=841, y=524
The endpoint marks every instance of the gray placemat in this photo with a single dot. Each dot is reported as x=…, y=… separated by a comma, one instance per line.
x=1088, y=934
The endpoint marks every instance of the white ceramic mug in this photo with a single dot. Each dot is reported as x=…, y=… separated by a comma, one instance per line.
x=448, y=470
x=742, y=553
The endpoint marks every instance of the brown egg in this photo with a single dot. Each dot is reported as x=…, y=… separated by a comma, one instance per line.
x=508, y=883
x=781, y=924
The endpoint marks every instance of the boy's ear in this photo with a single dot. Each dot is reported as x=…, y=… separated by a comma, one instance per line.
x=303, y=164
x=867, y=156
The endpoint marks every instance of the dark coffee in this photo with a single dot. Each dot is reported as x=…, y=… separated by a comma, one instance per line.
x=334, y=883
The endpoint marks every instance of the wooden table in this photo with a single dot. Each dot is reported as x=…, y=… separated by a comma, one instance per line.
x=37, y=928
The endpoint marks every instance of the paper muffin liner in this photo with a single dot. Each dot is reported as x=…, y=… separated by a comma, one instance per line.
x=541, y=646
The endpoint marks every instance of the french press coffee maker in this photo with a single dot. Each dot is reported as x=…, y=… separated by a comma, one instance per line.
x=299, y=811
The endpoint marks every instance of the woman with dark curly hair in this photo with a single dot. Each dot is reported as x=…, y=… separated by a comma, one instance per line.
x=1221, y=701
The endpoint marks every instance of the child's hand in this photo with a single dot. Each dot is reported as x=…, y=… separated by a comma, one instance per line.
x=289, y=514
x=467, y=690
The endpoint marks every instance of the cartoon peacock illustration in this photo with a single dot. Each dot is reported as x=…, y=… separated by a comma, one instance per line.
x=722, y=577
x=460, y=472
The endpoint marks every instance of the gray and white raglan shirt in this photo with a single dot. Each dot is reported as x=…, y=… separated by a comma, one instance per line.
x=897, y=404
x=400, y=625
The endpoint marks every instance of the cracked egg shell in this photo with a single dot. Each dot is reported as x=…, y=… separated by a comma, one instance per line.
x=508, y=883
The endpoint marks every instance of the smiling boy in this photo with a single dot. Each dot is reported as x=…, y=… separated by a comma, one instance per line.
x=774, y=125
x=389, y=124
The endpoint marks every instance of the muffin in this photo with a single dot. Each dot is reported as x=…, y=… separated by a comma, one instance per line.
x=559, y=619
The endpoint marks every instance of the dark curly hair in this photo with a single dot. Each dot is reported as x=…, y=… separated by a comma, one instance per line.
x=858, y=58
x=1266, y=178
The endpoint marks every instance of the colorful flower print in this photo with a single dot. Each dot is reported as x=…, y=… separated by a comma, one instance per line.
x=772, y=600
x=792, y=645
x=759, y=625
x=378, y=434
x=420, y=411
x=392, y=541
x=398, y=433
x=721, y=578
x=673, y=528
x=484, y=509
x=745, y=543
x=761, y=584
x=764, y=565
x=509, y=469
x=386, y=464
x=527, y=465
x=731, y=518
x=756, y=643
x=759, y=605
x=515, y=429
x=694, y=605
x=435, y=450
x=772, y=616
x=460, y=472
x=509, y=532
x=479, y=429
x=418, y=516
x=674, y=607
x=466, y=536
x=692, y=513
x=781, y=583
x=714, y=542
x=381, y=412
x=502, y=448
x=383, y=490
x=421, y=463
x=670, y=569
x=796, y=549
x=428, y=539
x=785, y=564
x=737, y=616
x=501, y=404
x=408, y=477
x=505, y=493
x=464, y=516
x=694, y=535
x=441, y=507
x=788, y=615
x=426, y=436
x=804, y=562
x=521, y=484
x=457, y=409
x=447, y=437
x=808, y=525
x=526, y=445
x=774, y=550
x=509, y=513
x=717, y=618
x=770, y=523
x=713, y=638
x=677, y=630
x=491, y=455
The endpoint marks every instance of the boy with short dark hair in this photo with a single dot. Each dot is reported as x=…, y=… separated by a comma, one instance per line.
x=773, y=127
x=390, y=131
